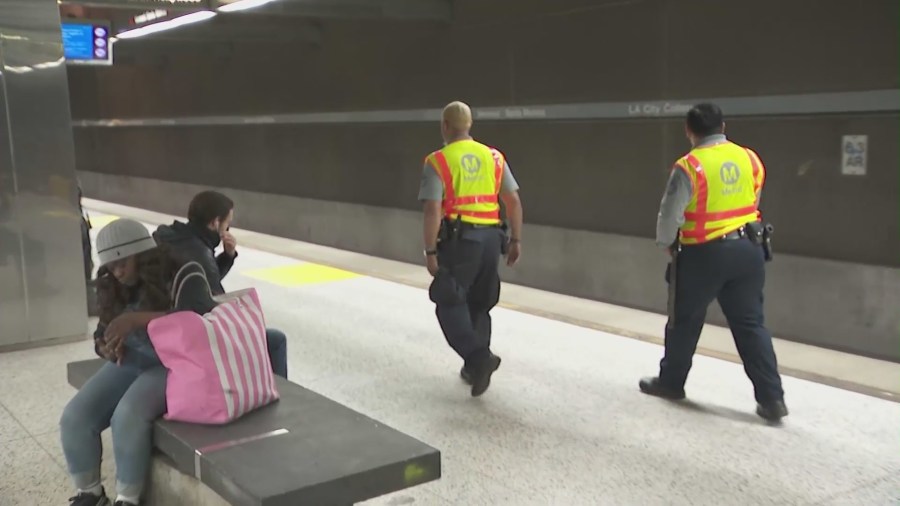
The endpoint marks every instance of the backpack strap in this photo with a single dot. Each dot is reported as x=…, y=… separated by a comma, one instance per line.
x=186, y=272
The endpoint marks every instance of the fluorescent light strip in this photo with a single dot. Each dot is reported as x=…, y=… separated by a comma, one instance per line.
x=49, y=64
x=241, y=5
x=187, y=19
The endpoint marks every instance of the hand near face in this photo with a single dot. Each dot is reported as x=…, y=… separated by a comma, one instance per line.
x=229, y=242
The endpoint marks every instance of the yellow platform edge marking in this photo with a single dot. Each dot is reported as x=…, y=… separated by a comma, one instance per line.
x=99, y=221
x=300, y=274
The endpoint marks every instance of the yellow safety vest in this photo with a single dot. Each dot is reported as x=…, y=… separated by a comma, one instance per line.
x=725, y=179
x=471, y=173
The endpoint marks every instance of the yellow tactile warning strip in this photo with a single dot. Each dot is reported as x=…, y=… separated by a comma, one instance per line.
x=99, y=221
x=300, y=274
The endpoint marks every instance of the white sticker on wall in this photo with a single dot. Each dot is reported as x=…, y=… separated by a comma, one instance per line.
x=855, y=152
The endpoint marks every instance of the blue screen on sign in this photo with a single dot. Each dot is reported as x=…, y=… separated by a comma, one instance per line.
x=85, y=42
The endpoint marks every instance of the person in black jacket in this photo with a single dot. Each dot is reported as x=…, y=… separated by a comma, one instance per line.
x=209, y=219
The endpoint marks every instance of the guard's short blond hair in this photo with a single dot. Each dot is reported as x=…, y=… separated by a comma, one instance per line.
x=458, y=116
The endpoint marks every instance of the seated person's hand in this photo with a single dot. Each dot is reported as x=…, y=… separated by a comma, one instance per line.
x=104, y=349
x=117, y=331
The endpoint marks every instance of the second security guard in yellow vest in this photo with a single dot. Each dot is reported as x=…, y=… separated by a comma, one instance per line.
x=710, y=222
x=462, y=185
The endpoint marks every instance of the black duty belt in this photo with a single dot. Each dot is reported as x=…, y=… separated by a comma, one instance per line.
x=730, y=236
x=468, y=225
x=736, y=234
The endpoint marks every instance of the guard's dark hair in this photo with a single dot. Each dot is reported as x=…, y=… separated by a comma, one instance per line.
x=207, y=206
x=705, y=119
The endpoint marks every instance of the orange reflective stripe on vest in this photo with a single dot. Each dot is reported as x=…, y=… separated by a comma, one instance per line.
x=727, y=201
x=479, y=207
x=757, y=168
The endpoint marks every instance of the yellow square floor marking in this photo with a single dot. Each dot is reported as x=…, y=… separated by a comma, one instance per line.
x=99, y=221
x=300, y=274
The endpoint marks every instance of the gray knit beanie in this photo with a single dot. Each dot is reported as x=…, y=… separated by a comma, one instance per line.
x=121, y=239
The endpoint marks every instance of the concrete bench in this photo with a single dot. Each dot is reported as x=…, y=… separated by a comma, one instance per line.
x=303, y=449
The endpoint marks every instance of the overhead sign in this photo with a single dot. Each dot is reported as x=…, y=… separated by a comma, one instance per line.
x=657, y=108
x=817, y=103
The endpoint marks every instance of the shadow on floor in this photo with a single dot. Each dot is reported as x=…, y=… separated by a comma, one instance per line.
x=729, y=413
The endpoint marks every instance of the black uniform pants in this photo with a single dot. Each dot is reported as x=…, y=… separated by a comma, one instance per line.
x=732, y=271
x=466, y=288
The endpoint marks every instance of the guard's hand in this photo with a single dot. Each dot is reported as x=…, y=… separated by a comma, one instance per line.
x=515, y=251
x=431, y=263
x=230, y=243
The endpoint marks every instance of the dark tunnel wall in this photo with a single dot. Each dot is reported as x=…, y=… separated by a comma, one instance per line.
x=602, y=175
x=513, y=52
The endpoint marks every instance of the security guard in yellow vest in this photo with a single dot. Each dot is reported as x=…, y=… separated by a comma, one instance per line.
x=465, y=238
x=710, y=223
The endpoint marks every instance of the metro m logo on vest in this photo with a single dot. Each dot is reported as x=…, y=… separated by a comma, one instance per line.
x=471, y=167
x=731, y=176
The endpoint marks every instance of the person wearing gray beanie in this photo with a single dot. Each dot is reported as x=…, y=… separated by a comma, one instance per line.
x=128, y=393
x=121, y=239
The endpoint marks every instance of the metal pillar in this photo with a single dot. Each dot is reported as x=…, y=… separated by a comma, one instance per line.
x=42, y=285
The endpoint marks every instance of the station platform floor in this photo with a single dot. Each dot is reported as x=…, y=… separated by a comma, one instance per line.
x=563, y=422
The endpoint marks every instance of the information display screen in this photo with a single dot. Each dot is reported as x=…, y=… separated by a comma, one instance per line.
x=86, y=43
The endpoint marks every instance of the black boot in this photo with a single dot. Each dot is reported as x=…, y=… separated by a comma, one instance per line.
x=772, y=411
x=481, y=367
x=652, y=386
x=465, y=375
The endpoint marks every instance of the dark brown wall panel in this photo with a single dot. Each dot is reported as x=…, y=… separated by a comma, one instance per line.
x=549, y=51
x=603, y=175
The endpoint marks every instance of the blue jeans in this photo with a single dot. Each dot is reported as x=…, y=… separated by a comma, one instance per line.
x=276, y=342
x=129, y=400
x=139, y=352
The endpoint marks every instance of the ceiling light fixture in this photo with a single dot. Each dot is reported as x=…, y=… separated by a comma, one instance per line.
x=187, y=19
x=241, y=5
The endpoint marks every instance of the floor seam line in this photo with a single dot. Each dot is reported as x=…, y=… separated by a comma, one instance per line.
x=51, y=456
x=16, y=440
x=18, y=422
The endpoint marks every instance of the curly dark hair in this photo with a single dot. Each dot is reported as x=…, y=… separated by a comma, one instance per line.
x=155, y=270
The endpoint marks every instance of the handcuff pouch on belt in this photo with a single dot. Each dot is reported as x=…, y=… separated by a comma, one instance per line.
x=760, y=233
x=450, y=230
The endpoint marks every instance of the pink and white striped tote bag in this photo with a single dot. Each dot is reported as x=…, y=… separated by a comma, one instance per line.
x=218, y=363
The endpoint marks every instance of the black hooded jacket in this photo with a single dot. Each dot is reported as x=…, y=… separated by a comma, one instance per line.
x=192, y=243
